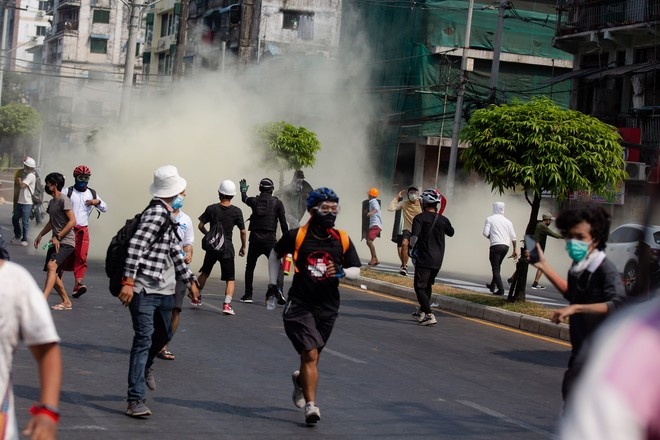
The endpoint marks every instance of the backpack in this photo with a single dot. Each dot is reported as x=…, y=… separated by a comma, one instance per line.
x=302, y=232
x=214, y=240
x=38, y=194
x=115, y=256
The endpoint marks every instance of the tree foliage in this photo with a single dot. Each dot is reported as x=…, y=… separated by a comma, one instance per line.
x=543, y=148
x=19, y=120
x=286, y=147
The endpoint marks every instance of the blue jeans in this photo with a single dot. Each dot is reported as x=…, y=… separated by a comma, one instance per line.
x=152, y=324
x=21, y=221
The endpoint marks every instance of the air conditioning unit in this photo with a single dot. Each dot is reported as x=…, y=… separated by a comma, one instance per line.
x=41, y=13
x=636, y=170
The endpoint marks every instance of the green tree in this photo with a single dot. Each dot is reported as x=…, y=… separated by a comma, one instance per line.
x=20, y=124
x=14, y=86
x=286, y=147
x=542, y=148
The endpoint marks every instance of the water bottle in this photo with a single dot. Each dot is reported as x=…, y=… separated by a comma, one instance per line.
x=270, y=302
x=47, y=245
x=286, y=264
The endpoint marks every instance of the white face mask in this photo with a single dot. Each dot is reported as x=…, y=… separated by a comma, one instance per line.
x=413, y=197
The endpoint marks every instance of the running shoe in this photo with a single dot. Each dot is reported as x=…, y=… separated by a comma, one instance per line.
x=137, y=408
x=537, y=286
x=429, y=319
x=246, y=299
x=297, y=396
x=227, y=310
x=312, y=413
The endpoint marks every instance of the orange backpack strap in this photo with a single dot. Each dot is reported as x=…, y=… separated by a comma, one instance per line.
x=344, y=239
x=302, y=232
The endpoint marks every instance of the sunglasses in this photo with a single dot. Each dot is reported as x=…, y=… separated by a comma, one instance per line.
x=82, y=178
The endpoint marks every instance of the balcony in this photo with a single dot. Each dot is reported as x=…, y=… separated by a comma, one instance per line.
x=67, y=26
x=577, y=16
x=68, y=4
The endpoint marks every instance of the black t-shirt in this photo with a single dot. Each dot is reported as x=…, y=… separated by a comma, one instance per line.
x=311, y=287
x=228, y=216
x=431, y=244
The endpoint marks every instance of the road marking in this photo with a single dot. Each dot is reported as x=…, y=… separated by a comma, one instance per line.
x=479, y=321
x=343, y=356
x=490, y=412
x=81, y=428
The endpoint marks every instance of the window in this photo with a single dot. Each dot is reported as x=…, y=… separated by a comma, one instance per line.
x=303, y=22
x=41, y=31
x=98, y=45
x=290, y=20
x=101, y=16
x=43, y=5
x=164, y=64
x=166, y=25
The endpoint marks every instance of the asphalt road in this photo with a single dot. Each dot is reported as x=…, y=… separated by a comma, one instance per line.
x=382, y=376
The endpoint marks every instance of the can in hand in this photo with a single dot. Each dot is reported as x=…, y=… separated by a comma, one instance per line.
x=286, y=264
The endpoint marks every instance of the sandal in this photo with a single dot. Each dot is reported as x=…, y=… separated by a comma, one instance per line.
x=165, y=354
x=61, y=307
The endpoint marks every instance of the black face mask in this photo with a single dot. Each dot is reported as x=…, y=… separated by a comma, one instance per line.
x=325, y=221
x=48, y=190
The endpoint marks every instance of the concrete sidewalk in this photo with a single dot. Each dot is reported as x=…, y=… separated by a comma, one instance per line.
x=531, y=324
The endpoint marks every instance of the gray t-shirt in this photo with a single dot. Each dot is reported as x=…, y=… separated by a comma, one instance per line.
x=58, y=218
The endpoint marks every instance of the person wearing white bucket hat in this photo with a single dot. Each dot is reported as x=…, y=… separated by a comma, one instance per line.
x=155, y=261
x=23, y=207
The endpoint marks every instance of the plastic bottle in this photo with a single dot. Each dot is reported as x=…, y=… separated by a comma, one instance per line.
x=286, y=264
x=47, y=245
x=270, y=302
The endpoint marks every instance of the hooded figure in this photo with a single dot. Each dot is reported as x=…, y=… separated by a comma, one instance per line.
x=499, y=230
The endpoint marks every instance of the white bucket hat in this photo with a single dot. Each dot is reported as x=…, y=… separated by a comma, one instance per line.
x=29, y=162
x=167, y=182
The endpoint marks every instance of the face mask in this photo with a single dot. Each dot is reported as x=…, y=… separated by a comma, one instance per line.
x=48, y=190
x=412, y=197
x=177, y=203
x=577, y=249
x=81, y=186
x=325, y=221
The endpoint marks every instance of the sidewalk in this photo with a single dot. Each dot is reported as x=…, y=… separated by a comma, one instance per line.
x=530, y=324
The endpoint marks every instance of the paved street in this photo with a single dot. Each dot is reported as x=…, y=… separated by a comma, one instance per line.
x=382, y=376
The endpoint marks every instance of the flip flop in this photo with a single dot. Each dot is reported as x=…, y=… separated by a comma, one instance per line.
x=61, y=307
x=165, y=354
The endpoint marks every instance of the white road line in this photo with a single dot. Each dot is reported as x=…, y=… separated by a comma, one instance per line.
x=343, y=356
x=507, y=419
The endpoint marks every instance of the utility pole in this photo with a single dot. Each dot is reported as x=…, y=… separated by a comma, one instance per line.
x=245, y=37
x=129, y=65
x=3, y=47
x=181, y=39
x=497, y=50
x=453, y=154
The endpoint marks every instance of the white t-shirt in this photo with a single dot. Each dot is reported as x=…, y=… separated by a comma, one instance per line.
x=80, y=210
x=186, y=232
x=25, y=194
x=24, y=315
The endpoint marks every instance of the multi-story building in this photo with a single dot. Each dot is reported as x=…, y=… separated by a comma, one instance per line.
x=81, y=68
x=616, y=52
x=26, y=30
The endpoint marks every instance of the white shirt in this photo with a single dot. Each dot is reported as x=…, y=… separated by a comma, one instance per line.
x=375, y=219
x=186, y=231
x=24, y=314
x=25, y=194
x=80, y=210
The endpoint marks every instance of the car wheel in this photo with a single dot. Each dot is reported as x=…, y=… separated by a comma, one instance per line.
x=630, y=276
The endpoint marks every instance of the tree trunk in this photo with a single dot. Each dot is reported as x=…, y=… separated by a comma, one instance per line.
x=517, y=289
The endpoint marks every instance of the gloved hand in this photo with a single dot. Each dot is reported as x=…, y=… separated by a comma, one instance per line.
x=243, y=185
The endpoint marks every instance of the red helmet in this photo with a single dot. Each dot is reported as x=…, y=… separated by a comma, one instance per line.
x=82, y=169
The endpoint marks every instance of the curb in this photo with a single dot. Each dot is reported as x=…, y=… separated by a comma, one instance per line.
x=526, y=323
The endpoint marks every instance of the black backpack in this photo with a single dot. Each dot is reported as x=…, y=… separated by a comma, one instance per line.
x=70, y=191
x=214, y=240
x=115, y=256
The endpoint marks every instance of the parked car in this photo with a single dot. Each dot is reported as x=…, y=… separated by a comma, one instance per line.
x=623, y=248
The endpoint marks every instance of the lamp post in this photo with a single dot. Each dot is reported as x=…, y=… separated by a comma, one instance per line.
x=129, y=65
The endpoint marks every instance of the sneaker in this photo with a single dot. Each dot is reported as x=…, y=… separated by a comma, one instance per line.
x=499, y=293
x=417, y=314
x=297, y=396
x=137, y=408
x=312, y=413
x=537, y=286
x=491, y=287
x=403, y=271
x=227, y=310
x=198, y=302
x=150, y=379
x=24, y=243
x=79, y=290
x=15, y=241
x=281, y=300
x=246, y=299
x=429, y=319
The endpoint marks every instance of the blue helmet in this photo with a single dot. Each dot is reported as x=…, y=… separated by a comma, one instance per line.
x=319, y=195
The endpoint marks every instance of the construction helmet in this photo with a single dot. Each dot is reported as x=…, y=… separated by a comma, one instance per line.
x=373, y=192
x=227, y=188
x=82, y=169
x=321, y=195
x=29, y=162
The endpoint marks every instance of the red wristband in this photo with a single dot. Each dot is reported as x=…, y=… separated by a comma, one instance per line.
x=47, y=411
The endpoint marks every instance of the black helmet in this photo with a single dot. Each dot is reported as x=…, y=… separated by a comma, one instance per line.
x=266, y=184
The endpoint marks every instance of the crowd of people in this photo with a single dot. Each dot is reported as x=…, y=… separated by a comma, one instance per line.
x=157, y=273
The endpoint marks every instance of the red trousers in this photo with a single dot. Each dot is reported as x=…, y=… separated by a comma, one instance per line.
x=78, y=261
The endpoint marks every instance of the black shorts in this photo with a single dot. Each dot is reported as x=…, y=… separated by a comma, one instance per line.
x=405, y=235
x=306, y=331
x=227, y=269
x=59, y=257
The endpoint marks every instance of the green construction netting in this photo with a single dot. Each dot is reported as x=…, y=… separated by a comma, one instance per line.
x=417, y=89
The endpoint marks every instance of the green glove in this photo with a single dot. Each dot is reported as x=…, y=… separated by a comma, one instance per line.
x=243, y=185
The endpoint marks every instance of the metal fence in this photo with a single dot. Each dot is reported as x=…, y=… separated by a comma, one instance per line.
x=575, y=16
